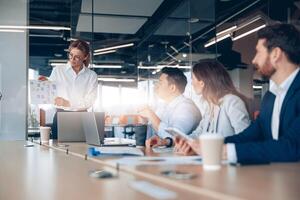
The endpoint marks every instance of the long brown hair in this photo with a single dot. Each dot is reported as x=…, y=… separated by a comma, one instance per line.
x=84, y=47
x=217, y=82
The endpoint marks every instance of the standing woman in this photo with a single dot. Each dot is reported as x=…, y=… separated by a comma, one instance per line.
x=226, y=113
x=76, y=83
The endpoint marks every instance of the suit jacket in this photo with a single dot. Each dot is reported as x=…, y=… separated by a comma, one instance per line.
x=256, y=145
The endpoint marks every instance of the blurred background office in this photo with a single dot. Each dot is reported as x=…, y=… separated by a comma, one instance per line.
x=131, y=41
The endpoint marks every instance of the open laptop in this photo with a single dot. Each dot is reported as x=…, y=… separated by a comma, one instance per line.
x=70, y=127
x=93, y=127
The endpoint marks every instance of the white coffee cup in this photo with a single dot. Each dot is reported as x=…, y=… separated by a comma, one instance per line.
x=45, y=134
x=211, y=148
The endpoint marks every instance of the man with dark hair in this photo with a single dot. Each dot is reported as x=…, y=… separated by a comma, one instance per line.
x=275, y=135
x=178, y=112
x=175, y=76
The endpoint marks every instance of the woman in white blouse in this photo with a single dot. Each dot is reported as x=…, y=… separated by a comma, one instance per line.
x=76, y=83
x=226, y=112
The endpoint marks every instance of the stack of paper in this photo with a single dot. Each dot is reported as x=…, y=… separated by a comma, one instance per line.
x=167, y=160
x=115, y=140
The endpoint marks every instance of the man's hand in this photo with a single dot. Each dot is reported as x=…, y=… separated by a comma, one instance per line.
x=156, y=141
x=146, y=112
x=42, y=78
x=59, y=101
x=142, y=120
x=187, y=147
x=149, y=114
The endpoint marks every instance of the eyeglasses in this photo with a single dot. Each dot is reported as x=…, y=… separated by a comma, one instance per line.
x=76, y=58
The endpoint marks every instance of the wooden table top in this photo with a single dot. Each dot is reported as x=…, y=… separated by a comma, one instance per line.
x=275, y=181
x=40, y=172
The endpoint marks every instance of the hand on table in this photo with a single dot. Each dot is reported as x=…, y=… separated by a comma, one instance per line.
x=43, y=78
x=192, y=147
x=156, y=141
x=59, y=101
x=187, y=147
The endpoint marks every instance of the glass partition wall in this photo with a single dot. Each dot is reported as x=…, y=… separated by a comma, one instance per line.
x=132, y=40
x=164, y=40
x=13, y=69
x=110, y=27
x=176, y=40
x=49, y=37
x=237, y=23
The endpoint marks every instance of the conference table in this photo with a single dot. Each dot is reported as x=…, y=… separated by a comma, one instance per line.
x=51, y=171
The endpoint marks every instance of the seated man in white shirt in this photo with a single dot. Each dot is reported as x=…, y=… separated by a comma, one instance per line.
x=76, y=84
x=178, y=112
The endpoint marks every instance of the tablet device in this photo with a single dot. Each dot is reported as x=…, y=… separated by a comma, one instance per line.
x=176, y=132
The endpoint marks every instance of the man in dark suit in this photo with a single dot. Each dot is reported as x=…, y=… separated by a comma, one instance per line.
x=275, y=135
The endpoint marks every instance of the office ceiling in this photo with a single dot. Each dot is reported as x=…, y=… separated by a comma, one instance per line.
x=158, y=29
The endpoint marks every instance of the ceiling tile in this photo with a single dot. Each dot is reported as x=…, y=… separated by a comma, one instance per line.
x=110, y=24
x=121, y=7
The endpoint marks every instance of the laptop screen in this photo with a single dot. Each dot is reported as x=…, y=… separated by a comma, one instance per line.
x=93, y=127
x=69, y=125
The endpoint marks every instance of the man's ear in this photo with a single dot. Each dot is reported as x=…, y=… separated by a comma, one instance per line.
x=173, y=87
x=202, y=83
x=276, y=55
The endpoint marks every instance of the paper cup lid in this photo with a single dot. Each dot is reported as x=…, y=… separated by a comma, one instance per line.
x=44, y=127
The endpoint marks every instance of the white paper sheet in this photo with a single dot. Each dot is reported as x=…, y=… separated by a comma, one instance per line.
x=115, y=140
x=162, y=149
x=120, y=151
x=42, y=92
x=172, y=160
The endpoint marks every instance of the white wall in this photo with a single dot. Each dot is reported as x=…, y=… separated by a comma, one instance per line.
x=13, y=71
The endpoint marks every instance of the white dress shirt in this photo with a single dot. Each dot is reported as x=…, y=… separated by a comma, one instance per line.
x=79, y=89
x=280, y=92
x=180, y=113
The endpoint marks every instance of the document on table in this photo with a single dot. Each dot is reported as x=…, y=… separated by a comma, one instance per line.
x=168, y=160
x=42, y=92
x=116, y=140
x=120, y=151
x=162, y=149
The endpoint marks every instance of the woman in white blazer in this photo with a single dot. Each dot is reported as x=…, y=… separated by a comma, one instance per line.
x=226, y=112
